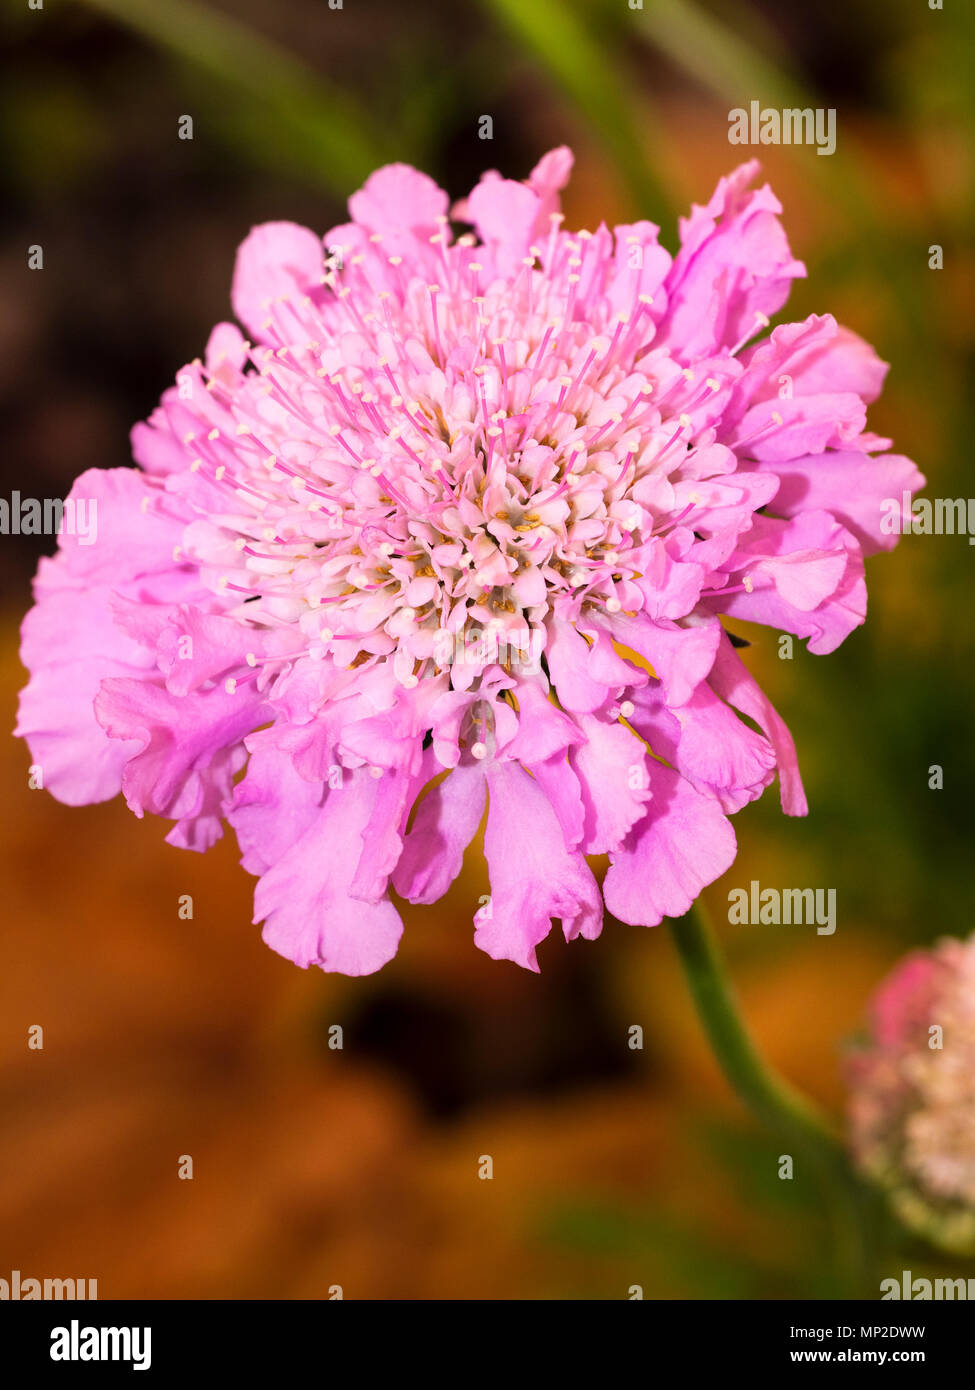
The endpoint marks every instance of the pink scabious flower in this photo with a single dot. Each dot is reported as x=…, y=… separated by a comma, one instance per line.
x=912, y=1093
x=455, y=527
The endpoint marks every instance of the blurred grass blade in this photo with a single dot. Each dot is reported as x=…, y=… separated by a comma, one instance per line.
x=283, y=111
x=585, y=72
x=733, y=70
x=715, y=55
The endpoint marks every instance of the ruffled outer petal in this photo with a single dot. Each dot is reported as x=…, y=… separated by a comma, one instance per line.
x=510, y=216
x=138, y=528
x=707, y=743
x=188, y=747
x=72, y=640
x=446, y=821
x=398, y=199
x=854, y=487
x=731, y=679
x=70, y=644
x=680, y=656
x=733, y=271
x=304, y=898
x=275, y=260
x=534, y=877
x=612, y=772
x=684, y=843
x=272, y=806
x=806, y=577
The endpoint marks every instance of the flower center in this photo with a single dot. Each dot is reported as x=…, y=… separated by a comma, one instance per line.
x=410, y=458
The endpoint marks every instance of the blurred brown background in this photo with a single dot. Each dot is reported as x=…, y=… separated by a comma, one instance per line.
x=163, y=1037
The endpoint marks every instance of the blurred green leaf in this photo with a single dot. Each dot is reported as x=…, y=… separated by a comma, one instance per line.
x=588, y=75
x=657, y=1247
x=286, y=113
x=53, y=133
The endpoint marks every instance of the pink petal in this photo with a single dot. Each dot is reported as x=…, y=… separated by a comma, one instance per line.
x=504, y=213
x=543, y=730
x=275, y=260
x=642, y=273
x=734, y=265
x=304, y=898
x=533, y=876
x=808, y=579
x=707, y=743
x=778, y=430
x=561, y=786
x=446, y=821
x=398, y=199
x=567, y=654
x=70, y=643
x=819, y=357
x=731, y=680
x=550, y=175
x=176, y=771
x=852, y=486
x=137, y=529
x=680, y=656
x=684, y=843
x=611, y=768
x=272, y=806
x=382, y=835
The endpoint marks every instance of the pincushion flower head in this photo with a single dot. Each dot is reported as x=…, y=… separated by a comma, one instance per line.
x=454, y=527
x=912, y=1093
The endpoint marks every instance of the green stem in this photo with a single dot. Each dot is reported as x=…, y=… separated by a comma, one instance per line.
x=775, y=1103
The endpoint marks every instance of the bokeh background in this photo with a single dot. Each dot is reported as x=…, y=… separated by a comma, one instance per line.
x=317, y=1167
